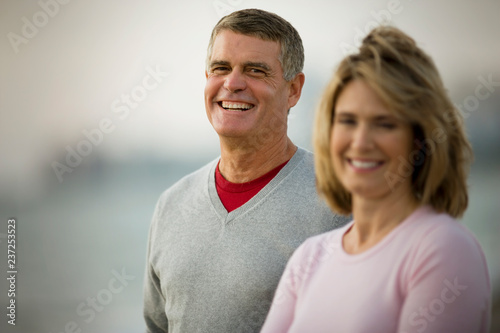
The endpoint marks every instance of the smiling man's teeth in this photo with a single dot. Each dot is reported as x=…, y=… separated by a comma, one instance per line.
x=236, y=106
x=363, y=164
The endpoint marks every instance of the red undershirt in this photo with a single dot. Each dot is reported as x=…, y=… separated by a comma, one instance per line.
x=234, y=195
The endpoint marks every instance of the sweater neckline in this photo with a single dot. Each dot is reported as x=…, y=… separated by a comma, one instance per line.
x=228, y=186
x=219, y=207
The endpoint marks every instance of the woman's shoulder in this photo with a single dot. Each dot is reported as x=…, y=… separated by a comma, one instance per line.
x=321, y=245
x=443, y=244
x=312, y=254
x=440, y=228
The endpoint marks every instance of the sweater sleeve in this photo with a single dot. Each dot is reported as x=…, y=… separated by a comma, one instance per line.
x=154, y=300
x=448, y=287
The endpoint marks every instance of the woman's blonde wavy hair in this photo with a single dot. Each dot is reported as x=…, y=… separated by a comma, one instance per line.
x=407, y=81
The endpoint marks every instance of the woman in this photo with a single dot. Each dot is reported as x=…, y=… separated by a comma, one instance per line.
x=390, y=150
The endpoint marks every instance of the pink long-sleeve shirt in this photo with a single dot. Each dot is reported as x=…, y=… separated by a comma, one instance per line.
x=427, y=275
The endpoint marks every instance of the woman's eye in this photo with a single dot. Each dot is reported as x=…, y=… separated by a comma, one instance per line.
x=346, y=121
x=387, y=125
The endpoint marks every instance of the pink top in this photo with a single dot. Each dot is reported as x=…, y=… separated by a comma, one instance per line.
x=427, y=275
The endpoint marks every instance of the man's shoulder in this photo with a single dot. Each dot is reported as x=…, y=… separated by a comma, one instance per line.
x=300, y=170
x=302, y=163
x=192, y=181
x=305, y=155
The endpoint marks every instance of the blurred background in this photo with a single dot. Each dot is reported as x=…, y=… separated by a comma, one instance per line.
x=101, y=109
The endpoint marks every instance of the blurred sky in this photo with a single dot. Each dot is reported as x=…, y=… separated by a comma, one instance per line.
x=65, y=68
x=66, y=77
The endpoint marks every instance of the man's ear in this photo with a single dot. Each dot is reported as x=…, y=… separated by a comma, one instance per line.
x=296, y=85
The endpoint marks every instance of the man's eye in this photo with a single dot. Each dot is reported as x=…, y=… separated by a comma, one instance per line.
x=257, y=71
x=219, y=70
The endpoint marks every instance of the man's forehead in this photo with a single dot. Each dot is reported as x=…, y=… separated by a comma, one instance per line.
x=231, y=44
x=246, y=34
x=227, y=35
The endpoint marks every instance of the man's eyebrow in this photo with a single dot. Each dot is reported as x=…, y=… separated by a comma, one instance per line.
x=257, y=64
x=261, y=65
x=219, y=63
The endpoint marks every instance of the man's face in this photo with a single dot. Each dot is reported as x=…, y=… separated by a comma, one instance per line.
x=245, y=93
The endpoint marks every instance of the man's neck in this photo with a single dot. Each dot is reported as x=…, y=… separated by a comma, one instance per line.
x=243, y=163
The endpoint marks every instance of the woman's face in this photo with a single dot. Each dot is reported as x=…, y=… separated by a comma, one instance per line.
x=369, y=145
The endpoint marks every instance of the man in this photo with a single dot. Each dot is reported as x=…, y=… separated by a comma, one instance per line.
x=220, y=237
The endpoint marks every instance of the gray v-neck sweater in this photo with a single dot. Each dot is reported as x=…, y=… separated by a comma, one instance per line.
x=213, y=271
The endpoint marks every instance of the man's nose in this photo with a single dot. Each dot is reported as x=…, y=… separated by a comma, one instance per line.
x=235, y=81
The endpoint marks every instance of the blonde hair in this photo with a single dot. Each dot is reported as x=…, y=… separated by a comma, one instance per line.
x=407, y=81
x=266, y=26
